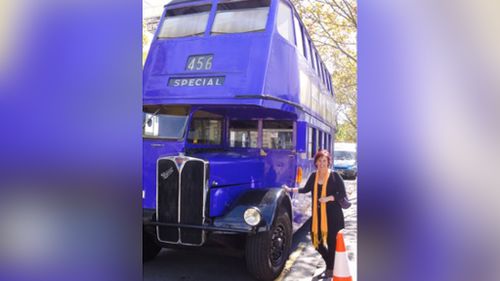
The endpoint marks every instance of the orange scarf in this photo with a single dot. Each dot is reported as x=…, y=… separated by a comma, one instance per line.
x=324, y=223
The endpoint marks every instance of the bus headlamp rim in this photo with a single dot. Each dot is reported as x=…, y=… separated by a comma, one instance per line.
x=252, y=212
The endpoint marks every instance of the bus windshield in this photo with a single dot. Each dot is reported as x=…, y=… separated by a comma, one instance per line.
x=164, y=123
x=183, y=22
x=241, y=16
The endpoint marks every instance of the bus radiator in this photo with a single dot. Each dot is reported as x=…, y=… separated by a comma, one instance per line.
x=181, y=200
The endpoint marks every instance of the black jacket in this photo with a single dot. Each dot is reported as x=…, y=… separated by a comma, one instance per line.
x=335, y=187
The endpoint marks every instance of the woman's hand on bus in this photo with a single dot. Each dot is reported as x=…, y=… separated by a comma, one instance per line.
x=286, y=188
x=327, y=199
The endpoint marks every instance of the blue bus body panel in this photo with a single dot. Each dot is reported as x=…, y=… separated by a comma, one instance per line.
x=243, y=66
x=231, y=174
x=282, y=78
x=235, y=173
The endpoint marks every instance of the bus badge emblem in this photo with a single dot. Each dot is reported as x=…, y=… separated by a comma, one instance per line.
x=167, y=173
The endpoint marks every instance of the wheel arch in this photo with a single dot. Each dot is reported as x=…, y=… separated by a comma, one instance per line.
x=268, y=200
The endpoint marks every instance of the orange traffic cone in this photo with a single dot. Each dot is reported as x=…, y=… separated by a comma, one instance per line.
x=341, y=268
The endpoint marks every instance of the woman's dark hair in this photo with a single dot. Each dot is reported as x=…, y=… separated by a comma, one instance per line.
x=322, y=153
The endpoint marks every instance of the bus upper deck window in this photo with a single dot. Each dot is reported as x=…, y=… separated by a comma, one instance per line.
x=241, y=16
x=183, y=22
x=284, y=22
x=298, y=36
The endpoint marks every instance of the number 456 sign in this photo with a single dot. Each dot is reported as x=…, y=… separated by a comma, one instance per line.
x=203, y=62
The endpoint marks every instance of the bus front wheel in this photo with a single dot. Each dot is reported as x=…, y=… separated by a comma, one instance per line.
x=267, y=252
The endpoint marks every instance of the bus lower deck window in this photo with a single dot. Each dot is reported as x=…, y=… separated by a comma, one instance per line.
x=205, y=131
x=277, y=134
x=243, y=133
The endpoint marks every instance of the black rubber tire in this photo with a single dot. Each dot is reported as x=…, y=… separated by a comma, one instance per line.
x=258, y=249
x=150, y=248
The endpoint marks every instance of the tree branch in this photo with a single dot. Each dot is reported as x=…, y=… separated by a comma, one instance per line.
x=349, y=9
x=340, y=11
x=337, y=44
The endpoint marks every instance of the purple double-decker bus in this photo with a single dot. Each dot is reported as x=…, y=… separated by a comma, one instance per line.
x=236, y=102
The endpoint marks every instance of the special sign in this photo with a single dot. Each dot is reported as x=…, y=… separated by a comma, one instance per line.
x=197, y=63
x=196, y=81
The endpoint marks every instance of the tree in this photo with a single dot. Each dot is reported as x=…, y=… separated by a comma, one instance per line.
x=146, y=42
x=332, y=25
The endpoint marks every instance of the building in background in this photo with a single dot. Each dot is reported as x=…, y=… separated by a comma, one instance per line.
x=151, y=13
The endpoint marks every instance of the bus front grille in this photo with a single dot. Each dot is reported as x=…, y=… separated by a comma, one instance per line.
x=181, y=199
x=192, y=191
x=168, y=203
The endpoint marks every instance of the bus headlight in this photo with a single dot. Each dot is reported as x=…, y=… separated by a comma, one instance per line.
x=252, y=216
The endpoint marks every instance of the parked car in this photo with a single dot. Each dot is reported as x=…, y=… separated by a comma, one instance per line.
x=344, y=160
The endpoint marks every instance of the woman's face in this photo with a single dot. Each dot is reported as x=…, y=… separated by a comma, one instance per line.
x=322, y=163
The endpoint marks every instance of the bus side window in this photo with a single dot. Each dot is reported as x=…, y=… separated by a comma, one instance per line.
x=243, y=133
x=330, y=84
x=315, y=59
x=317, y=64
x=298, y=36
x=324, y=75
x=206, y=128
x=330, y=143
x=320, y=139
x=310, y=150
x=322, y=70
x=307, y=44
x=313, y=140
x=277, y=134
x=285, y=27
x=317, y=147
x=325, y=141
x=326, y=80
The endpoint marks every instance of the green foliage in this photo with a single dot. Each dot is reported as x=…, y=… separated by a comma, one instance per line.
x=345, y=133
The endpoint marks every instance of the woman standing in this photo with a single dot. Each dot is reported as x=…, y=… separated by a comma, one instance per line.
x=327, y=216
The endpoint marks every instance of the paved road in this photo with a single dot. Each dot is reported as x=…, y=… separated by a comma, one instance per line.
x=229, y=265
